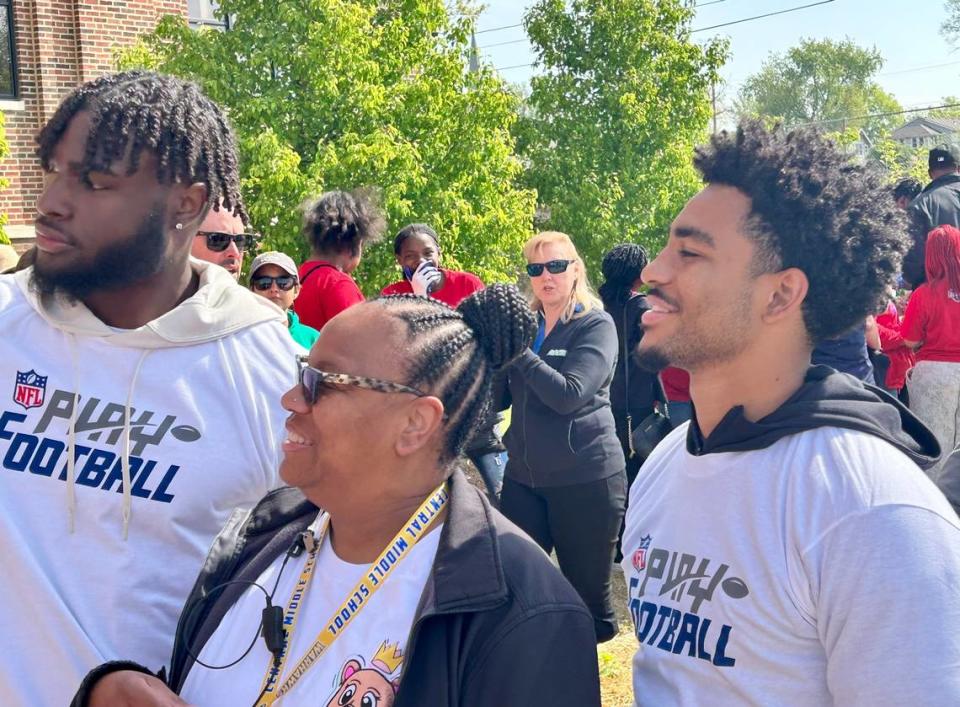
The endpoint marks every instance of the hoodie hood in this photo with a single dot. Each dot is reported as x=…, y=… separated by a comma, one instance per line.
x=218, y=308
x=826, y=399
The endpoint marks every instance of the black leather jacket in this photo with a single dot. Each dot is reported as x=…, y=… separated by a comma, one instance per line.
x=497, y=623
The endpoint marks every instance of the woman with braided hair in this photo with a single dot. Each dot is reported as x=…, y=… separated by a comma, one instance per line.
x=565, y=483
x=336, y=225
x=417, y=249
x=427, y=595
x=621, y=269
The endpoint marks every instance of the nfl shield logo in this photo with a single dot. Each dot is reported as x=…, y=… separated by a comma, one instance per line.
x=30, y=389
x=640, y=555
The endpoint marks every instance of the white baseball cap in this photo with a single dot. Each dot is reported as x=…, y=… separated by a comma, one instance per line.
x=274, y=257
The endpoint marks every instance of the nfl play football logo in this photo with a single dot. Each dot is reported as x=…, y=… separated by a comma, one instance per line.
x=30, y=389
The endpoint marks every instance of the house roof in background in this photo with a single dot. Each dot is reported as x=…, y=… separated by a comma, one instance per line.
x=926, y=127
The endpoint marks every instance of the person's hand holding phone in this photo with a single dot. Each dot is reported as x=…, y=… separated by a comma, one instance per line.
x=425, y=279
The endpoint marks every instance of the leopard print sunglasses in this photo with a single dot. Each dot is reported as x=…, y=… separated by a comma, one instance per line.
x=313, y=381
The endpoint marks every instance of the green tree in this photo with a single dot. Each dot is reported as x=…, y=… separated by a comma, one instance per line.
x=328, y=94
x=4, y=182
x=951, y=26
x=612, y=117
x=821, y=81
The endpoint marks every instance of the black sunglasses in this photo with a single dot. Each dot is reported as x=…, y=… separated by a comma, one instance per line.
x=218, y=241
x=265, y=282
x=554, y=267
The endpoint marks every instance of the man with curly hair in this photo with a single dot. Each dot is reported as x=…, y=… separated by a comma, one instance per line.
x=785, y=547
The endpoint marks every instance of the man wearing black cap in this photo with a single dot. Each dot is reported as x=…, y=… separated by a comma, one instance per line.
x=937, y=205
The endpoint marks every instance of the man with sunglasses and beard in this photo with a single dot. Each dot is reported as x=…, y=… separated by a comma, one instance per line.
x=274, y=275
x=223, y=239
x=144, y=384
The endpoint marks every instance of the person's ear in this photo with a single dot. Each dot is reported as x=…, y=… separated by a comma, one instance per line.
x=423, y=417
x=788, y=289
x=190, y=205
x=296, y=289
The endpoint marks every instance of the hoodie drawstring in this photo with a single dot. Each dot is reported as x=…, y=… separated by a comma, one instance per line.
x=72, y=436
x=127, y=508
x=125, y=460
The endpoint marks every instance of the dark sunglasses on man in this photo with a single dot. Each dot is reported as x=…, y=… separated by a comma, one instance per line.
x=218, y=241
x=554, y=267
x=265, y=282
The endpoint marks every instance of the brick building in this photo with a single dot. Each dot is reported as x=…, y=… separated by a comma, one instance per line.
x=47, y=47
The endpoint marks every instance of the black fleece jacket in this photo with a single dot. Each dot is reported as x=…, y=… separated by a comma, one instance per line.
x=497, y=623
x=937, y=205
x=562, y=430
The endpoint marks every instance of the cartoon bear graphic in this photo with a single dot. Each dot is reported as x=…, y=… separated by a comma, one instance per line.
x=372, y=686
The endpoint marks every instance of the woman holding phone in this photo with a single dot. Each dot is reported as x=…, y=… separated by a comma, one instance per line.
x=565, y=483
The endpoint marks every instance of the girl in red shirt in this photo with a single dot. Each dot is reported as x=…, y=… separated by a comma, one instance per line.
x=417, y=249
x=337, y=226
x=931, y=326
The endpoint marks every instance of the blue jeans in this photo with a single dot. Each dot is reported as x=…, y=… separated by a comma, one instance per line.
x=491, y=466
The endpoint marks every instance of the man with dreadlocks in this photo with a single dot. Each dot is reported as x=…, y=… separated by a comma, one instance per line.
x=145, y=384
x=784, y=547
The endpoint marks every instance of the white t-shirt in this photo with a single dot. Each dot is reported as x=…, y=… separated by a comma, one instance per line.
x=824, y=569
x=366, y=658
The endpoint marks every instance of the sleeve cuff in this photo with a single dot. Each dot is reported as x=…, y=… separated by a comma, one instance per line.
x=82, y=698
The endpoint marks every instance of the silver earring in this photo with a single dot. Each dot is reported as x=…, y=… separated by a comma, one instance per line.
x=179, y=226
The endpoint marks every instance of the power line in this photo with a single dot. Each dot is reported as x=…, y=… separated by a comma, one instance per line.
x=876, y=115
x=520, y=24
x=704, y=29
x=760, y=17
x=919, y=68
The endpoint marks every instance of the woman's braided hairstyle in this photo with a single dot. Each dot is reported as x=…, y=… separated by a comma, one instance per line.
x=171, y=118
x=621, y=268
x=455, y=352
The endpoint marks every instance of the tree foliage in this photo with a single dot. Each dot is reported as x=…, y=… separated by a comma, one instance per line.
x=4, y=182
x=336, y=94
x=821, y=81
x=951, y=26
x=619, y=101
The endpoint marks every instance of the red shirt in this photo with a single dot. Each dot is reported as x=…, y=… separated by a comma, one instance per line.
x=676, y=384
x=325, y=291
x=457, y=286
x=891, y=342
x=933, y=318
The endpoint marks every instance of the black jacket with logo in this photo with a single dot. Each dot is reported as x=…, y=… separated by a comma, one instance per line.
x=497, y=624
x=562, y=430
x=937, y=205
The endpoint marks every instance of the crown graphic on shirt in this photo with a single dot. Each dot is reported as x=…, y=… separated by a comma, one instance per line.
x=388, y=657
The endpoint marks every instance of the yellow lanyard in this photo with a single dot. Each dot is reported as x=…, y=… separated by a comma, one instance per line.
x=411, y=533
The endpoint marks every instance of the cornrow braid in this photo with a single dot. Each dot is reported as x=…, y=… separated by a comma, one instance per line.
x=456, y=351
x=135, y=111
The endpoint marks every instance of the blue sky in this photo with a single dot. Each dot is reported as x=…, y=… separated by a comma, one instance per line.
x=905, y=31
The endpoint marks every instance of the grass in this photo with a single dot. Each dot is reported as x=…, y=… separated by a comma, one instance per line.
x=616, y=684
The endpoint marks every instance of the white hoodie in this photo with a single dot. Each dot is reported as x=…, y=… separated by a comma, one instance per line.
x=95, y=569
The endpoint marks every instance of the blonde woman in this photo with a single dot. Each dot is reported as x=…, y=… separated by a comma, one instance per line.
x=565, y=483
